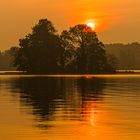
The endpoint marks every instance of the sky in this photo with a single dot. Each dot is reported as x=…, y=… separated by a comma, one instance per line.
x=116, y=21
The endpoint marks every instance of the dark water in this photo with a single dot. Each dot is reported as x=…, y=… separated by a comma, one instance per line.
x=70, y=108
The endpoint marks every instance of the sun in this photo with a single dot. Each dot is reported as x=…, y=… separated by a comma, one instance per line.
x=91, y=25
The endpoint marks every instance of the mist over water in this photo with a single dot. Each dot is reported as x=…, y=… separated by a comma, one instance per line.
x=76, y=107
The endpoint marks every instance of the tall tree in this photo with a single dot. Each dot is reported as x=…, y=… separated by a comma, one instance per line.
x=84, y=53
x=39, y=50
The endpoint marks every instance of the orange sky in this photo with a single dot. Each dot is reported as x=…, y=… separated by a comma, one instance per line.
x=116, y=21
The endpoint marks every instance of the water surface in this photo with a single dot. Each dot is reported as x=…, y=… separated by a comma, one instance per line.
x=102, y=107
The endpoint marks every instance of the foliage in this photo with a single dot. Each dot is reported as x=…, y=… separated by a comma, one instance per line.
x=84, y=53
x=76, y=50
x=6, y=59
x=39, y=50
x=128, y=55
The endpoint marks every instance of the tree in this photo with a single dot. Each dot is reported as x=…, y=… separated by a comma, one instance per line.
x=39, y=51
x=84, y=53
x=76, y=50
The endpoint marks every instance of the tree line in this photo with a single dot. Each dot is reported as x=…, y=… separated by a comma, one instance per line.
x=128, y=55
x=7, y=58
x=75, y=51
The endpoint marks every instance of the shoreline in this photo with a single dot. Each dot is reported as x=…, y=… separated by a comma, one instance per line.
x=118, y=73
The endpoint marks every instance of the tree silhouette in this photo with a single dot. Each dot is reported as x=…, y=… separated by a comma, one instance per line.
x=6, y=59
x=84, y=53
x=39, y=50
x=77, y=50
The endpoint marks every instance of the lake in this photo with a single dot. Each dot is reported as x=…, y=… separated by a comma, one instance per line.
x=88, y=107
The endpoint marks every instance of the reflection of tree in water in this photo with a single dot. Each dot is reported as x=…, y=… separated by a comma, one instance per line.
x=91, y=88
x=39, y=92
x=47, y=95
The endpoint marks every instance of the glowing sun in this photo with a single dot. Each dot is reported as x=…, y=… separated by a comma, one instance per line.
x=91, y=25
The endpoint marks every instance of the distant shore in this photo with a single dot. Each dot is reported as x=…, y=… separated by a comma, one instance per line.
x=24, y=73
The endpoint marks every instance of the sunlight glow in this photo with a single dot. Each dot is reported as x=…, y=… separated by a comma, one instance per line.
x=91, y=25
